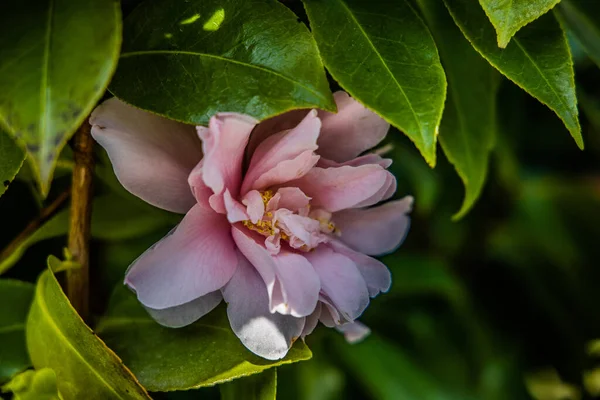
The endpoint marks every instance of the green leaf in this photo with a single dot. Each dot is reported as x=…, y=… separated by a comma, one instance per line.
x=15, y=299
x=508, y=16
x=188, y=60
x=384, y=56
x=11, y=159
x=57, y=338
x=469, y=122
x=34, y=385
x=56, y=58
x=198, y=355
x=256, y=387
x=387, y=372
x=113, y=218
x=537, y=59
x=582, y=17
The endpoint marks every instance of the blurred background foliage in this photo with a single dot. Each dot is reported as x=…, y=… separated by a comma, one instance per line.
x=499, y=305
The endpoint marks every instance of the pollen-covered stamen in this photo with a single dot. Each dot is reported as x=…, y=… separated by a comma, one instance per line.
x=303, y=228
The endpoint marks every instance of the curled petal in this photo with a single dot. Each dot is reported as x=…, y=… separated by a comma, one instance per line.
x=376, y=275
x=196, y=258
x=377, y=230
x=284, y=146
x=335, y=189
x=263, y=333
x=353, y=130
x=185, y=314
x=354, y=332
x=311, y=321
x=151, y=155
x=255, y=205
x=291, y=281
x=223, y=144
x=340, y=281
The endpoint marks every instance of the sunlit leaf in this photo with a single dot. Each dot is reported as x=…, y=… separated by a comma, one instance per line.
x=582, y=17
x=469, y=121
x=188, y=60
x=15, y=299
x=57, y=338
x=56, y=58
x=164, y=359
x=537, y=59
x=384, y=56
x=34, y=385
x=256, y=387
x=508, y=16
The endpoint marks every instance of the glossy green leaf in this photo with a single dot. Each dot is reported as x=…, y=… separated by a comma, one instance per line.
x=582, y=17
x=11, y=159
x=15, y=299
x=384, y=56
x=537, y=59
x=34, y=385
x=113, y=218
x=508, y=16
x=164, y=359
x=256, y=387
x=469, y=122
x=387, y=372
x=188, y=60
x=56, y=58
x=58, y=338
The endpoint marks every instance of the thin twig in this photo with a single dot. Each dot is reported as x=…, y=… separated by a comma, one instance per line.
x=77, y=282
x=45, y=214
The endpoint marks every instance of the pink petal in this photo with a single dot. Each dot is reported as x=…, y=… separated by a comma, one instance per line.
x=290, y=198
x=274, y=125
x=370, y=158
x=196, y=258
x=283, y=146
x=354, y=332
x=387, y=190
x=339, y=188
x=185, y=314
x=376, y=275
x=291, y=281
x=311, y=322
x=287, y=170
x=329, y=314
x=265, y=334
x=223, y=144
x=340, y=281
x=255, y=205
x=375, y=231
x=151, y=155
x=236, y=212
x=353, y=130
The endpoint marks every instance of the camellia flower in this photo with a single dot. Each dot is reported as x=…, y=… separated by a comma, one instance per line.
x=277, y=220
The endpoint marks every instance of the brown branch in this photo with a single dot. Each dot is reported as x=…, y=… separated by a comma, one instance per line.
x=77, y=281
x=45, y=214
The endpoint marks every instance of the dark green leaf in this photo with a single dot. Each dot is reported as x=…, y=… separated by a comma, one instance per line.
x=262, y=386
x=188, y=60
x=510, y=16
x=34, y=385
x=469, y=121
x=15, y=299
x=582, y=17
x=57, y=338
x=387, y=372
x=11, y=159
x=537, y=59
x=56, y=58
x=384, y=56
x=164, y=359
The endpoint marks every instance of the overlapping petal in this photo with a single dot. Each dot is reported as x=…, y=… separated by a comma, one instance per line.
x=151, y=155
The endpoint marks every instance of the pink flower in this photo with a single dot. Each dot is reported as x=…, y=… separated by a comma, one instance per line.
x=276, y=223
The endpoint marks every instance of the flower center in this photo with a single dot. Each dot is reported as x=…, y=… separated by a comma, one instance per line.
x=302, y=228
